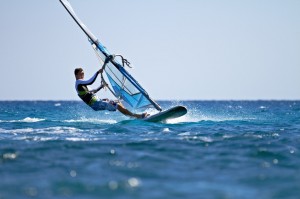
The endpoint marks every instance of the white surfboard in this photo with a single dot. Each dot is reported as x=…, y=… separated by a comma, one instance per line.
x=171, y=113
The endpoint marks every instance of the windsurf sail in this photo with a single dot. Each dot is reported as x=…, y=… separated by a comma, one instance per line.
x=123, y=85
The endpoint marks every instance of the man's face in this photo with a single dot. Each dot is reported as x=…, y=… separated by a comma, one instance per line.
x=80, y=75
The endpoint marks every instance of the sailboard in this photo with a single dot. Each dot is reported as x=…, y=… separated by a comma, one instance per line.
x=122, y=85
x=168, y=114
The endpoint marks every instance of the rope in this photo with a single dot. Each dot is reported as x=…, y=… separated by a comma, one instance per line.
x=124, y=61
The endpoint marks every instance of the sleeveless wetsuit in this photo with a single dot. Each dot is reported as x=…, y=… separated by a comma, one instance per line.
x=90, y=98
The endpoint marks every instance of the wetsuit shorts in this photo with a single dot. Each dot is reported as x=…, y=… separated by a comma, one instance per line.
x=104, y=104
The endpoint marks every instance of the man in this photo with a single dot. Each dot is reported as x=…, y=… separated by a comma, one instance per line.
x=89, y=97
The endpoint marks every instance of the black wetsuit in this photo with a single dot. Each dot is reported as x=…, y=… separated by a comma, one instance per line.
x=88, y=96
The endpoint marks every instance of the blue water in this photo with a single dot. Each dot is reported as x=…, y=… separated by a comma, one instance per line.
x=220, y=149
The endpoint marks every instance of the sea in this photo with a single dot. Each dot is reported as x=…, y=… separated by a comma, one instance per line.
x=219, y=149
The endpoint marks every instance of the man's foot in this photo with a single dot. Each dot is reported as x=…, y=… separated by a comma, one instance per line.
x=144, y=115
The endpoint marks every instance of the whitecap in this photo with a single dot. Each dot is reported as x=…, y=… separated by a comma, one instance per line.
x=51, y=130
x=36, y=138
x=10, y=156
x=14, y=131
x=205, y=139
x=58, y=129
x=166, y=130
x=29, y=119
x=228, y=136
x=92, y=120
x=77, y=139
x=184, y=134
x=134, y=182
x=225, y=118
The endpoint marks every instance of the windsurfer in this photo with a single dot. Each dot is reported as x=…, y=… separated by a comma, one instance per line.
x=91, y=99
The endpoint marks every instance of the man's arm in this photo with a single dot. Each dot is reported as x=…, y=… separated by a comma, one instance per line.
x=97, y=89
x=89, y=81
x=92, y=79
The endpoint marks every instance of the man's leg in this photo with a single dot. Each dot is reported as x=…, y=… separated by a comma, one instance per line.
x=123, y=110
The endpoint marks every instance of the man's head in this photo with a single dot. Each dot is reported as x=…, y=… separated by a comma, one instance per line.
x=79, y=73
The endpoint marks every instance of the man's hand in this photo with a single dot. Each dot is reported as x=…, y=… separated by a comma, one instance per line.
x=109, y=58
x=100, y=71
x=104, y=84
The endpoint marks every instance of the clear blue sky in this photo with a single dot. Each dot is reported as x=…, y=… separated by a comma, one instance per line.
x=191, y=49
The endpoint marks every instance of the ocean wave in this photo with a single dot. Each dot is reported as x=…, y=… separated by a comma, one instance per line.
x=224, y=118
x=50, y=130
x=15, y=131
x=190, y=118
x=59, y=129
x=82, y=139
x=27, y=120
x=46, y=134
x=92, y=120
x=194, y=116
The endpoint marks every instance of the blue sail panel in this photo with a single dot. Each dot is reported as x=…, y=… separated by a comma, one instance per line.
x=135, y=99
x=124, y=85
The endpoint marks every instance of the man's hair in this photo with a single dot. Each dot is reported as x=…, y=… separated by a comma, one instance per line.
x=77, y=70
